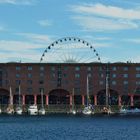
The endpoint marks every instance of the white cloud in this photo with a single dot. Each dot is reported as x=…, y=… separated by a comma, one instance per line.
x=45, y=23
x=18, y=2
x=107, y=11
x=98, y=38
x=11, y=45
x=36, y=37
x=103, y=38
x=20, y=50
x=99, y=17
x=89, y=23
x=133, y=40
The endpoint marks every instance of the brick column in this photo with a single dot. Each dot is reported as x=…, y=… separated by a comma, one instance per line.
x=35, y=99
x=132, y=100
x=95, y=99
x=47, y=100
x=70, y=100
x=83, y=100
x=23, y=99
x=119, y=100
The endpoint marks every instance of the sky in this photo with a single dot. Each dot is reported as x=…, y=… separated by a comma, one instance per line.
x=28, y=27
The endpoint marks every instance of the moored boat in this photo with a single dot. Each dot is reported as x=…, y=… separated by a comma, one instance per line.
x=88, y=108
x=42, y=109
x=73, y=111
x=19, y=108
x=33, y=110
x=130, y=110
x=10, y=109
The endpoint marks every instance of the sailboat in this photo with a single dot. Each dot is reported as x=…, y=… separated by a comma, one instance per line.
x=42, y=109
x=88, y=108
x=19, y=108
x=107, y=109
x=10, y=109
x=73, y=110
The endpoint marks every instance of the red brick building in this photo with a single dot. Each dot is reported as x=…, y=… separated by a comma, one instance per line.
x=58, y=81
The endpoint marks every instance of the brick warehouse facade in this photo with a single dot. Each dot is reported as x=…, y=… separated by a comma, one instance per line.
x=57, y=81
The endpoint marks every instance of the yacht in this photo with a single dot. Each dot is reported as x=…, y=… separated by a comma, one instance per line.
x=130, y=110
x=73, y=111
x=10, y=109
x=107, y=110
x=33, y=110
x=88, y=108
x=19, y=108
x=42, y=109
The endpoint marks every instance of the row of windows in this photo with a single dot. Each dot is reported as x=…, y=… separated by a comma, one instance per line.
x=29, y=90
x=77, y=75
x=77, y=68
x=29, y=82
x=28, y=68
x=77, y=82
x=114, y=82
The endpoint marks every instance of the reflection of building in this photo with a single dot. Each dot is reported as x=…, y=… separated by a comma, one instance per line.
x=58, y=80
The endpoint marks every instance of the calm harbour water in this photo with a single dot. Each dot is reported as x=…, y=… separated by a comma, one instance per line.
x=66, y=127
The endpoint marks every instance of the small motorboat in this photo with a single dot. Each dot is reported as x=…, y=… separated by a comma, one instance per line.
x=19, y=111
x=74, y=112
x=130, y=110
x=10, y=110
x=106, y=110
x=87, y=110
x=42, y=111
x=33, y=110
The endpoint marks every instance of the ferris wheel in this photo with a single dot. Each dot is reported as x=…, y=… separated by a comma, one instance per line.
x=70, y=50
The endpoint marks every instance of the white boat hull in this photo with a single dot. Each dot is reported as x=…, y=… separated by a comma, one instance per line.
x=19, y=111
x=130, y=111
x=33, y=110
x=10, y=110
x=87, y=111
x=33, y=113
x=73, y=112
x=42, y=112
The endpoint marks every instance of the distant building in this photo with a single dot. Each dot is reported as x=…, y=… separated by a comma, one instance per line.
x=59, y=81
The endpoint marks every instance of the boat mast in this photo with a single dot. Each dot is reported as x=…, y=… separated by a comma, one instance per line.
x=19, y=96
x=11, y=97
x=73, y=99
x=42, y=100
x=87, y=89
